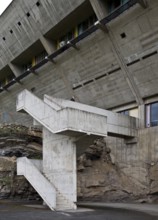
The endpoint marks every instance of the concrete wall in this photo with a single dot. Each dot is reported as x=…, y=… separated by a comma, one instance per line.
x=135, y=160
x=41, y=20
x=59, y=163
x=94, y=61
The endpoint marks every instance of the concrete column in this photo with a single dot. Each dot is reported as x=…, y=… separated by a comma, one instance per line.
x=59, y=163
x=48, y=45
x=100, y=8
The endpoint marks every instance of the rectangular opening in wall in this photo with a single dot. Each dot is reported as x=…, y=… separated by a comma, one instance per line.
x=30, y=57
x=112, y=5
x=151, y=114
x=72, y=25
x=6, y=75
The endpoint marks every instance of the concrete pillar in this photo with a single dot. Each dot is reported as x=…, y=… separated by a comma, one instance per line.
x=59, y=163
x=47, y=44
x=100, y=8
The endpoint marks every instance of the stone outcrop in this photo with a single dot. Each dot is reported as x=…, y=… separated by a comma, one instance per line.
x=100, y=178
x=20, y=141
x=17, y=141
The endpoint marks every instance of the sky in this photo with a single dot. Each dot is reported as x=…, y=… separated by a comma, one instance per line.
x=4, y=4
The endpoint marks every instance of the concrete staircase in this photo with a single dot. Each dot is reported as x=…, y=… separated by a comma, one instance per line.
x=48, y=192
x=66, y=124
x=72, y=118
x=60, y=118
x=44, y=188
x=62, y=203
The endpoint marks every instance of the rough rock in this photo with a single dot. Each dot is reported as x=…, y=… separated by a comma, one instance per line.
x=17, y=141
x=99, y=178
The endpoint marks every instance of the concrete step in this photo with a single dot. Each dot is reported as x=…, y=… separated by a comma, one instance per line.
x=61, y=202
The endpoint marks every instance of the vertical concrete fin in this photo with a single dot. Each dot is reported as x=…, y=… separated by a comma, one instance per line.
x=100, y=8
x=143, y=3
x=48, y=45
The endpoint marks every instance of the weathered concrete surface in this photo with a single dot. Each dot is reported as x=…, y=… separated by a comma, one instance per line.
x=66, y=117
x=59, y=166
x=63, y=122
x=78, y=67
x=138, y=161
x=31, y=28
x=60, y=119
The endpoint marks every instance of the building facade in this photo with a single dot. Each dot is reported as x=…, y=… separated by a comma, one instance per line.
x=103, y=53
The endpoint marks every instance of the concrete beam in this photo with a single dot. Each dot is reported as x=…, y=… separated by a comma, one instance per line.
x=4, y=89
x=32, y=71
x=101, y=26
x=18, y=81
x=50, y=60
x=72, y=45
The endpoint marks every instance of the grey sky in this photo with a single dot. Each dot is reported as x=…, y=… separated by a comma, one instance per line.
x=4, y=4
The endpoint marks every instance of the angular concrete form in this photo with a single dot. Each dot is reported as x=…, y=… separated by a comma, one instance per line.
x=66, y=124
x=34, y=176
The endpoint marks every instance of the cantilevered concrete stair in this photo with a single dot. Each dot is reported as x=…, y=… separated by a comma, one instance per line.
x=66, y=124
x=48, y=192
x=62, y=117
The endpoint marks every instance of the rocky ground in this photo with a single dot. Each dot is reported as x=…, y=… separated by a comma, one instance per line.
x=99, y=177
